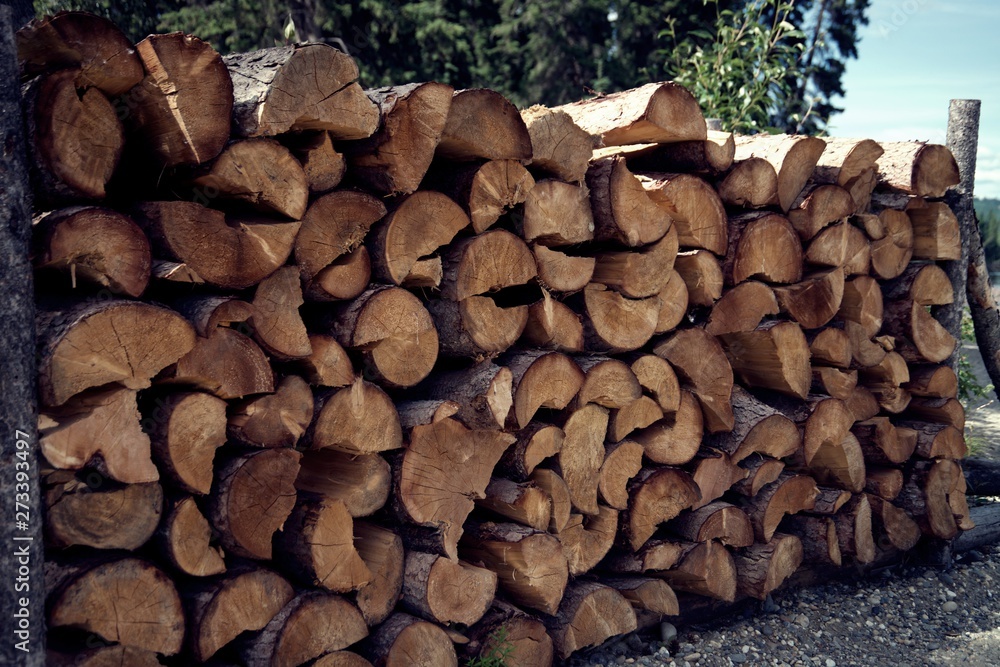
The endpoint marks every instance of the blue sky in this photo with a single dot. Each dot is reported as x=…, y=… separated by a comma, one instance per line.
x=916, y=55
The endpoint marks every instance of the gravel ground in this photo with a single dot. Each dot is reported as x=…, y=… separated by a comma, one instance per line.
x=909, y=615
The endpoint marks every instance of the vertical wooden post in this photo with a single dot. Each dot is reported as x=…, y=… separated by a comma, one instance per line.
x=963, y=140
x=22, y=601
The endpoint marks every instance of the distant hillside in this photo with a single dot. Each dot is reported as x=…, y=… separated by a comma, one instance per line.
x=987, y=207
x=988, y=212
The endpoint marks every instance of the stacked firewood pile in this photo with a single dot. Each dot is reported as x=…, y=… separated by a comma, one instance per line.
x=339, y=377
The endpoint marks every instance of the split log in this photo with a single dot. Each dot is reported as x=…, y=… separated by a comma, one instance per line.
x=333, y=228
x=701, y=362
x=276, y=322
x=674, y=302
x=937, y=441
x=445, y=591
x=646, y=594
x=706, y=569
x=614, y=323
x=253, y=495
x=919, y=337
x=831, y=347
x=274, y=420
x=714, y=521
x=259, y=172
x=899, y=529
x=99, y=428
x=483, y=124
x=316, y=545
x=640, y=272
x=360, y=419
x=638, y=414
x=841, y=246
x=708, y=157
x=526, y=642
x=623, y=211
x=917, y=168
x=535, y=442
x=773, y=356
x=525, y=503
x=531, y=567
x=404, y=640
x=394, y=333
x=656, y=112
x=936, y=234
x=834, y=382
x=762, y=568
x=542, y=380
x=95, y=342
x=656, y=495
x=300, y=87
x=830, y=500
x=851, y=164
x=311, y=625
x=185, y=538
x=323, y=164
x=589, y=614
x=181, y=110
x=674, y=440
x=741, y=308
x=415, y=229
x=557, y=214
x=836, y=463
x=582, y=455
x=863, y=304
x=439, y=496
x=607, y=382
x=227, y=364
x=815, y=300
x=696, y=210
x=818, y=536
x=382, y=552
x=925, y=497
x=715, y=473
x=761, y=471
x=342, y=659
x=185, y=430
x=103, y=656
x=854, y=529
x=552, y=325
x=232, y=253
x=484, y=393
x=749, y=183
x=106, y=516
x=657, y=378
x=98, y=245
x=92, y=596
x=360, y=481
x=819, y=206
x=221, y=609
x=622, y=462
x=793, y=159
x=75, y=139
x=883, y=482
x=588, y=539
x=757, y=428
x=208, y=313
x=892, y=253
x=395, y=158
x=825, y=420
x=865, y=352
x=561, y=272
x=486, y=191
x=703, y=279
x=656, y=555
x=559, y=146
x=764, y=246
x=789, y=494
x=555, y=486
x=105, y=56
x=938, y=410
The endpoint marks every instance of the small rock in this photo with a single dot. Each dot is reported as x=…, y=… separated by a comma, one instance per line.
x=802, y=621
x=620, y=660
x=949, y=606
x=876, y=610
x=664, y=651
x=767, y=631
x=830, y=663
x=738, y=658
x=946, y=579
x=769, y=606
x=633, y=642
x=668, y=632
x=692, y=657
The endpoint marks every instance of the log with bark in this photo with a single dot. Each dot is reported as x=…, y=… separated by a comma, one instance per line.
x=762, y=568
x=917, y=168
x=764, y=246
x=406, y=640
x=589, y=614
x=623, y=211
x=793, y=159
x=694, y=206
x=559, y=146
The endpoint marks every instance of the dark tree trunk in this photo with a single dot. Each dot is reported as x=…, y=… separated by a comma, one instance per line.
x=21, y=534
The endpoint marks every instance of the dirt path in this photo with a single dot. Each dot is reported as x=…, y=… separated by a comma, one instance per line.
x=982, y=421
